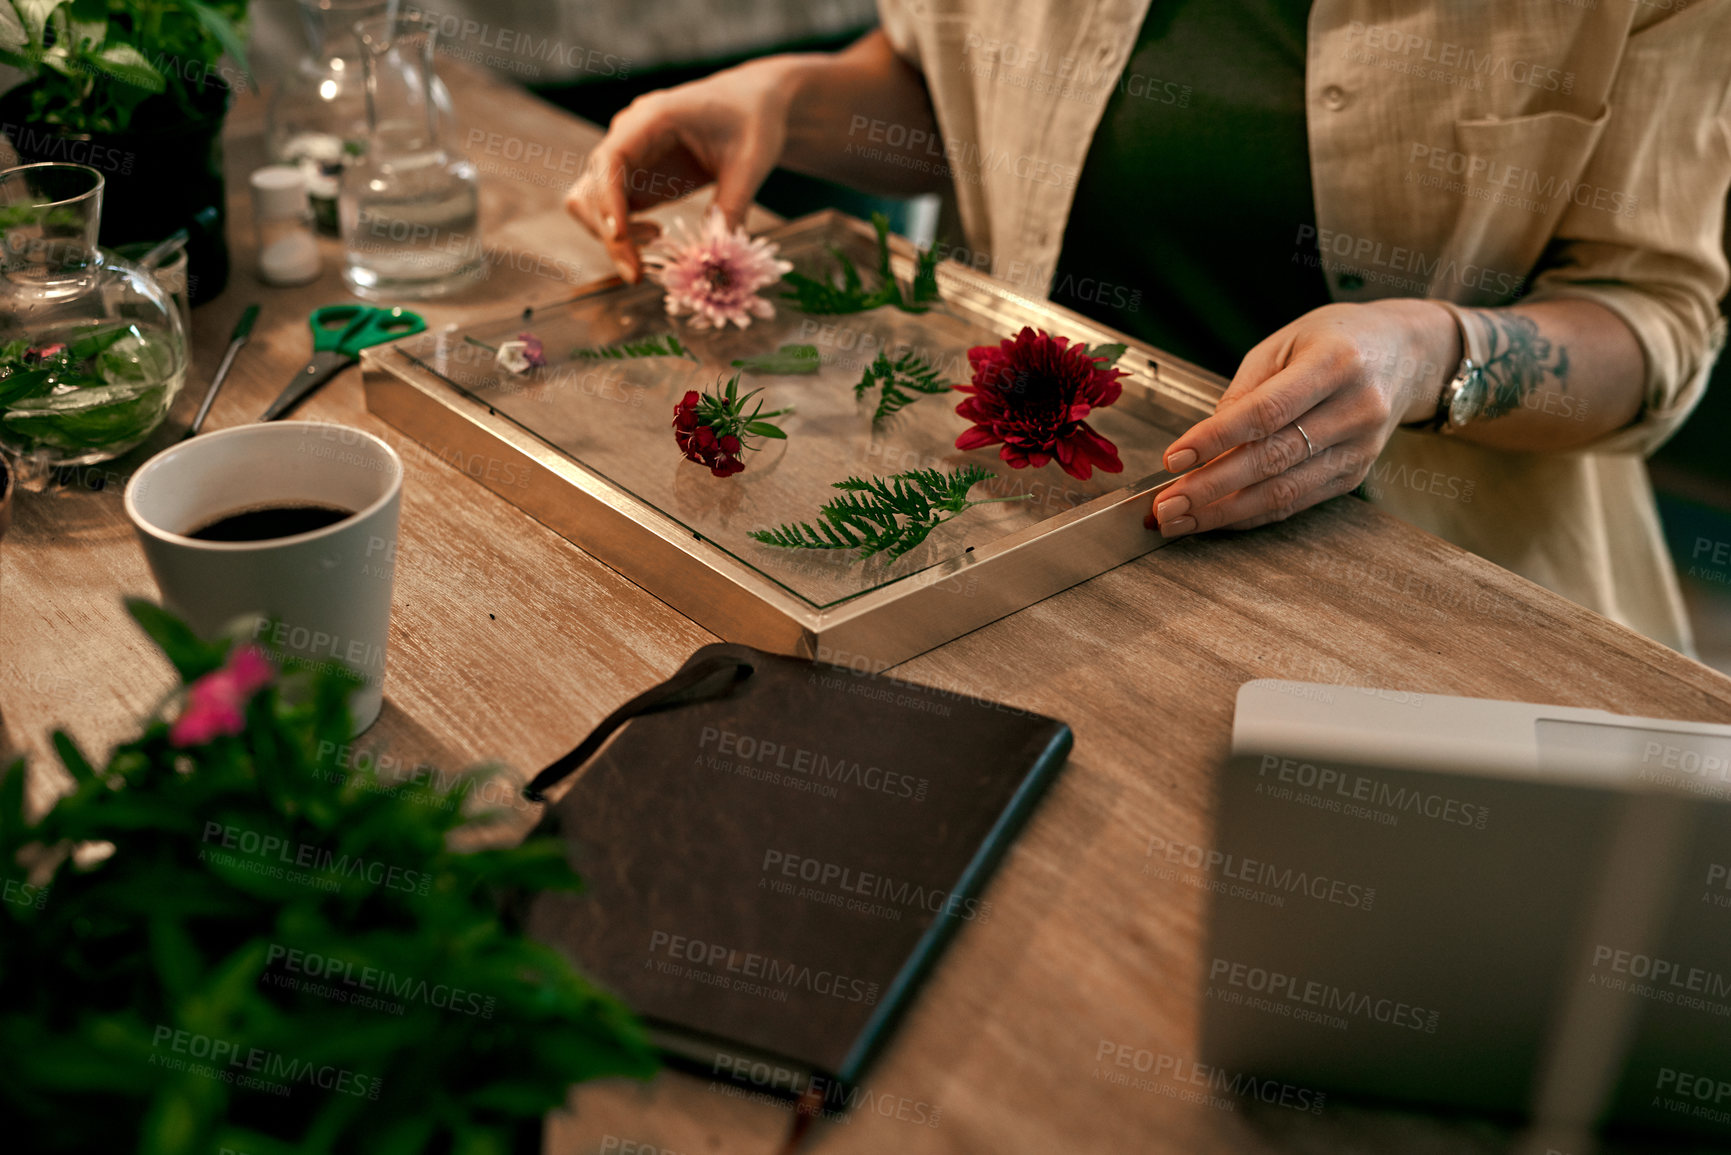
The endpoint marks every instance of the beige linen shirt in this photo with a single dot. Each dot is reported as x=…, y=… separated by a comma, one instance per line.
x=1479, y=151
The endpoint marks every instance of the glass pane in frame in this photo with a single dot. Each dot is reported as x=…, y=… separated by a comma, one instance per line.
x=614, y=416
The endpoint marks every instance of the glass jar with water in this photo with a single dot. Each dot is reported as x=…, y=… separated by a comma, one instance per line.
x=92, y=352
x=317, y=119
x=410, y=202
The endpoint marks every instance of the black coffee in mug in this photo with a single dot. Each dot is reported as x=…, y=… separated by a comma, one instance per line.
x=263, y=523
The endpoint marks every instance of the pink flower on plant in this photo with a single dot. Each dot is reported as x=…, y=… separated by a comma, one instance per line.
x=216, y=702
x=717, y=274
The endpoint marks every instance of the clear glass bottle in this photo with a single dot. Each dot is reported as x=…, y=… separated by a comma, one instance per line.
x=92, y=352
x=410, y=203
x=318, y=114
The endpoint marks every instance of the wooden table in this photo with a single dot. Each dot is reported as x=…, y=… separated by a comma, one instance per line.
x=509, y=643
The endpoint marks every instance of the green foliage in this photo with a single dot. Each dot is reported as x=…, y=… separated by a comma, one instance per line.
x=725, y=413
x=94, y=65
x=925, y=277
x=1106, y=354
x=885, y=515
x=787, y=359
x=666, y=345
x=140, y=994
x=824, y=295
x=105, y=386
x=900, y=380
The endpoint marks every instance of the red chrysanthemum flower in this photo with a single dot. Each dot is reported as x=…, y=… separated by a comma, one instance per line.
x=1033, y=394
x=710, y=428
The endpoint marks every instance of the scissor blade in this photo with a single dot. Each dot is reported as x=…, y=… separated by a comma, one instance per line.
x=324, y=365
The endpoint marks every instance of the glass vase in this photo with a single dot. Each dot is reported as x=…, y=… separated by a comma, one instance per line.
x=92, y=350
x=410, y=205
x=318, y=115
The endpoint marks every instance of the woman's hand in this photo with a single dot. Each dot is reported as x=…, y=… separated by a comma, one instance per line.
x=729, y=128
x=800, y=109
x=1348, y=374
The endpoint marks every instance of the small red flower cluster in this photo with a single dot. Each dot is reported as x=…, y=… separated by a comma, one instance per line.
x=700, y=444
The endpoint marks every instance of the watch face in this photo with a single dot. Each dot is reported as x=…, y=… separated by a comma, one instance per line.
x=1468, y=400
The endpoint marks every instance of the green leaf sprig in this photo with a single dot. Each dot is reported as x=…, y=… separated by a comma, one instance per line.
x=725, y=413
x=1106, y=354
x=900, y=380
x=665, y=345
x=886, y=515
x=787, y=359
x=825, y=295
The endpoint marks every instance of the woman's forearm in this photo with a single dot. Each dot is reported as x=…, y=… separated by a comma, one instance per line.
x=1561, y=373
x=861, y=117
x=1312, y=407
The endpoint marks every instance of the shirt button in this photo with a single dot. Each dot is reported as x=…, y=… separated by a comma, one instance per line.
x=1334, y=97
x=1349, y=281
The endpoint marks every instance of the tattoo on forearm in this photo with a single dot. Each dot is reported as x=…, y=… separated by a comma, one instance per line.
x=1518, y=361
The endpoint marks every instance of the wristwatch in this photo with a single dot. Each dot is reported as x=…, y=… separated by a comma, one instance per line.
x=1463, y=399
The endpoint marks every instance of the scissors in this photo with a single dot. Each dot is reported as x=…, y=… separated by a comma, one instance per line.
x=340, y=332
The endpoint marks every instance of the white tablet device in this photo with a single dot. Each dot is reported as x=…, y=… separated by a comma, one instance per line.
x=1493, y=905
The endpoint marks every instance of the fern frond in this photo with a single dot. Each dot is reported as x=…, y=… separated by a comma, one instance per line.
x=666, y=345
x=926, y=276
x=822, y=295
x=885, y=515
x=801, y=535
x=900, y=380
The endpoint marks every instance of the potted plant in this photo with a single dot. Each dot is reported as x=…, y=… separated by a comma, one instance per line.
x=226, y=939
x=137, y=89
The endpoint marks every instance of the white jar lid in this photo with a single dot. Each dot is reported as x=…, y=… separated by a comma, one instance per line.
x=278, y=190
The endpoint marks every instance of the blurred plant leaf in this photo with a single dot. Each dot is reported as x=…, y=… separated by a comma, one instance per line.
x=73, y=758
x=35, y=14
x=223, y=32
x=13, y=37
x=190, y=657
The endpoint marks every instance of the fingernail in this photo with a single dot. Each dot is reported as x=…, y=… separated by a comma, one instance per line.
x=1180, y=461
x=1173, y=507
x=611, y=224
x=1181, y=526
x=624, y=270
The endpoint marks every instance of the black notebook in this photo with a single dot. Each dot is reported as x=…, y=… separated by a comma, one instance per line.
x=775, y=853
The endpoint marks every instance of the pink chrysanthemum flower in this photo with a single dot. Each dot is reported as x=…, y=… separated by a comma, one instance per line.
x=216, y=703
x=716, y=275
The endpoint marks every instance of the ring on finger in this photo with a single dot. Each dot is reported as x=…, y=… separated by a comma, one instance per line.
x=1307, y=442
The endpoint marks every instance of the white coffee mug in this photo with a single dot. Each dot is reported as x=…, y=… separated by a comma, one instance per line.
x=324, y=596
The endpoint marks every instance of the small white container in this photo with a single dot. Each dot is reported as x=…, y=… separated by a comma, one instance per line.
x=288, y=252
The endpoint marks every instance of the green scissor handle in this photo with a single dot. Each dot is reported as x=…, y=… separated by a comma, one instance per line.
x=347, y=329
